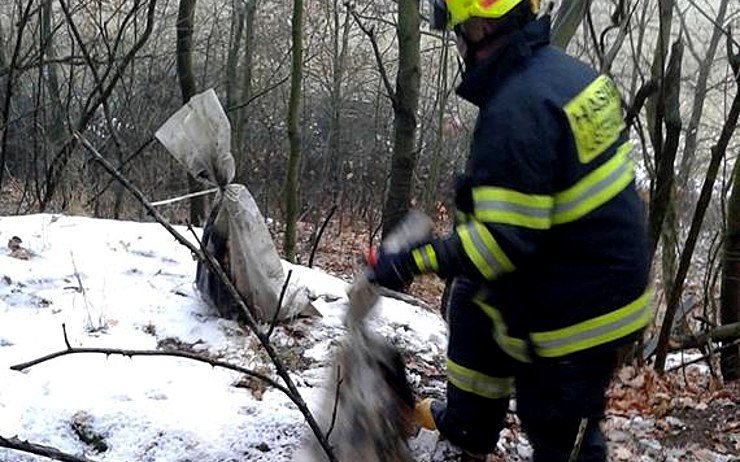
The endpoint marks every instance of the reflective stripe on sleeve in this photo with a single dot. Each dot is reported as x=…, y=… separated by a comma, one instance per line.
x=594, y=189
x=425, y=259
x=603, y=329
x=513, y=346
x=483, y=250
x=507, y=206
x=478, y=383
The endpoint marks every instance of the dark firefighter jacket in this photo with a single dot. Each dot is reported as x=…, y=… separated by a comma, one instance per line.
x=552, y=220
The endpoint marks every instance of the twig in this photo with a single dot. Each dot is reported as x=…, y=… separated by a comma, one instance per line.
x=172, y=353
x=650, y=87
x=279, y=304
x=321, y=233
x=216, y=268
x=91, y=326
x=579, y=439
x=136, y=154
x=370, y=32
x=336, y=402
x=39, y=450
x=66, y=339
x=705, y=357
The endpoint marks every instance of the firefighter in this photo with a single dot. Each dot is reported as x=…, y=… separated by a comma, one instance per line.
x=549, y=257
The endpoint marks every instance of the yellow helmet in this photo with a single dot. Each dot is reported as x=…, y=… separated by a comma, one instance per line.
x=446, y=14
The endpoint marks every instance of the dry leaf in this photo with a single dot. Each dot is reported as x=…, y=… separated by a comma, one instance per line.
x=622, y=453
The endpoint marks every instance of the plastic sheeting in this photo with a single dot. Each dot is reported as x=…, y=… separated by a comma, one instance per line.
x=199, y=137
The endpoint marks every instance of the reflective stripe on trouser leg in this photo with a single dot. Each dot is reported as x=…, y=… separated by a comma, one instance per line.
x=479, y=376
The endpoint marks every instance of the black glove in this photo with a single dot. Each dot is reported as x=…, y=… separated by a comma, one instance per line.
x=392, y=270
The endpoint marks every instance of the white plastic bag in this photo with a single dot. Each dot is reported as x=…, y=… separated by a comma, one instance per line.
x=199, y=136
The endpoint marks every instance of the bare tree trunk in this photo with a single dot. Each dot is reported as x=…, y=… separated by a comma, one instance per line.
x=241, y=125
x=430, y=192
x=730, y=304
x=405, y=105
x=9, y=88
x=570, y=15
x=662, y=109
x=294, y=135
x=719, y=151
x=339, y=53
x=238, y=17
x=697, y=109
x=186, y=77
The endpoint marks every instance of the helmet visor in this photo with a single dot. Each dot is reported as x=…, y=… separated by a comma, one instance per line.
x=439, y=15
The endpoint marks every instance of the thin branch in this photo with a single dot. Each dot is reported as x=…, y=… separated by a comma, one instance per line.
x=172, y=353
x=704, y=357
x=136, y=154
x=59, y=162
x=279, y=304
x=726, y=32
x=215, y=267
x=647, y=89
x=66, y=339
x=9, y=86
x=321, y=233
x=623, y=28
x=336, y=402
x=45, y=451
x=718, y=151
x=370, y=32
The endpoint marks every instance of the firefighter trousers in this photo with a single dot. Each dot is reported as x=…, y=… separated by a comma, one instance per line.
x=553, y=397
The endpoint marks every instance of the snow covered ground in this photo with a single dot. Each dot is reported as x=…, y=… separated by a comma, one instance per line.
x=128, y=285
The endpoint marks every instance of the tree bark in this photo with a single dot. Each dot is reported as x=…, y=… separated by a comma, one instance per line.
x=340, y=40
x=730, y=302
x=241, y=125
x=718, y=153
x=186, y=78
x=724, y=333
x=405, y=105
x=294, y=135
x=660, y=112
x=430, y=191
x=9, y=88
x=570, y=15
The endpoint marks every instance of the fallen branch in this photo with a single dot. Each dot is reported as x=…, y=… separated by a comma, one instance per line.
x=131, y=353
x=214, y=266
x=722, y=333
x=45, y=451
x=705, y=357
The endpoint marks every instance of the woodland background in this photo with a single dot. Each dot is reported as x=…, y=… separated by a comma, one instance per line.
x=345, y=113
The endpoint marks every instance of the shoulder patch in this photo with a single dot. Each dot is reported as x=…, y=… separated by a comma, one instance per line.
x=595, y=117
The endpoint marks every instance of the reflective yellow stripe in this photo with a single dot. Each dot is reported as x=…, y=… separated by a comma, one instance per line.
x=596, y=331
x=501, y=205
x=595, y=189
x=425, y=259
x=513, y=346
x=483, y=250
x=478, y=383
